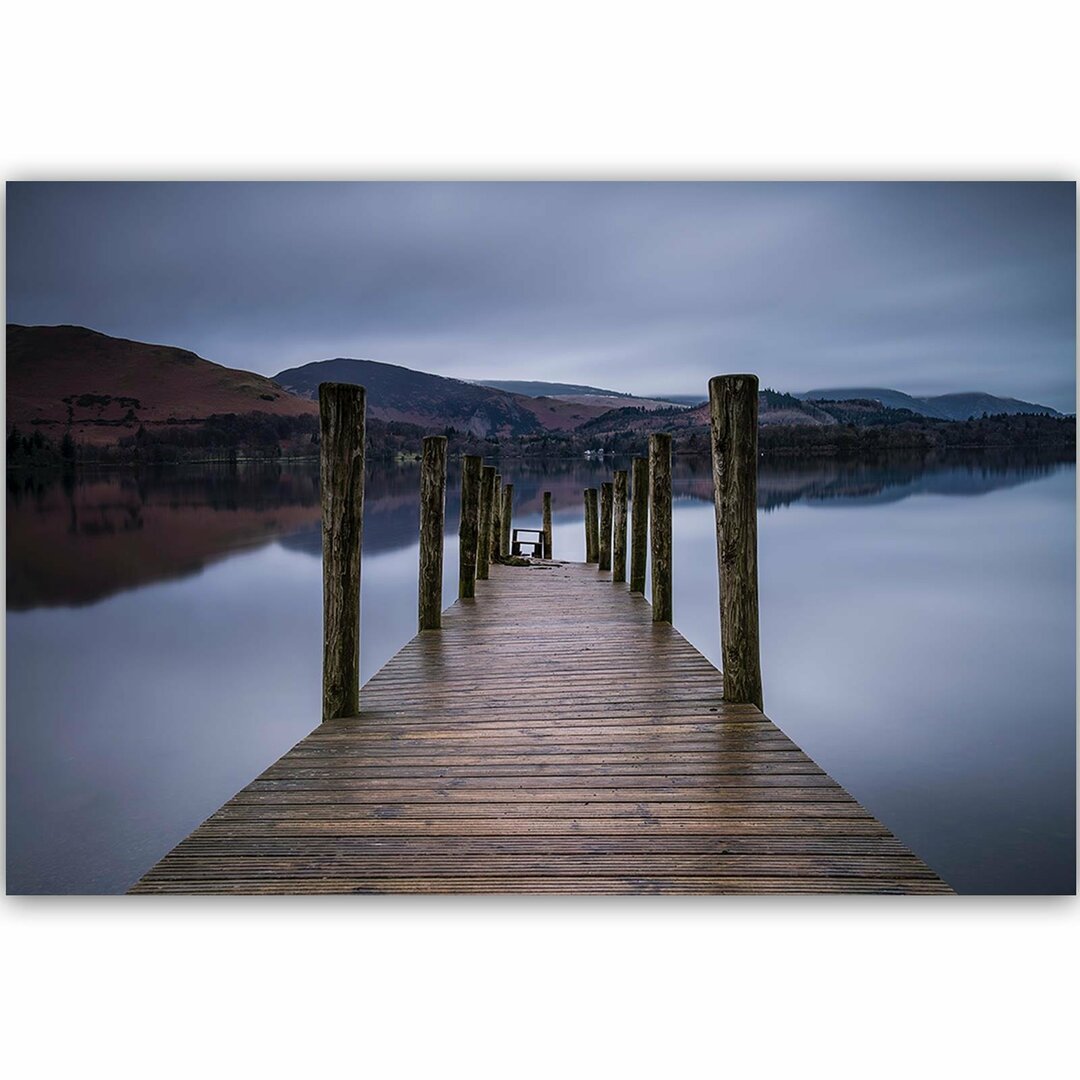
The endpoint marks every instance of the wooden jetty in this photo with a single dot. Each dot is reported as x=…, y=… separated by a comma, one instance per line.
x=548, y=735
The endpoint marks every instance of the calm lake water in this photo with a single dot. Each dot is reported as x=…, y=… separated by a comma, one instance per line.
x=918, y=640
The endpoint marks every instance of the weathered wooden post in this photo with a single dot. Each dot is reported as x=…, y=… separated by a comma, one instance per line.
x=487, y=506
x=432, y=527
x=469, y=529
x=506, y=516
x=496, y=518
x=606, y=500
x=618, y=546
x=592, y=527
x=639, y=524
x=547, y=526
x=660, y=525
x=341, y=488
x=733, y=407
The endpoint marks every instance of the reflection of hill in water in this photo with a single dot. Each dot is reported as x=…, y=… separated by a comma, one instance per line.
x=79, y=539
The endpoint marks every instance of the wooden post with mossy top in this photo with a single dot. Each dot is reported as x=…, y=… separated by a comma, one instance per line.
x=469, y=528
x=639, y=523
x=487, y=508
x=660, y=525
x=606, y=501
x=341, y=492
x=496, y=518
x=618, y=543
x=506, y=517
x=733, y=412
x=592, y=527
x=432, y=529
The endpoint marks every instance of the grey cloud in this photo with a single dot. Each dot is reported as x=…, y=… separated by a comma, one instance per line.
x=644, y=287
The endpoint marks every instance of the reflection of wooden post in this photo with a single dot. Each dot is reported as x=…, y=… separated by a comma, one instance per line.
x=432, y=526
x=487, y=505
x=341, y=484
x=606, y=498
x=660, y=525
x=618, y=545
x=733, y=407
x=496, y=518
x=547, y=526
x=506, y=517
x=639, y=524
x=469, y=529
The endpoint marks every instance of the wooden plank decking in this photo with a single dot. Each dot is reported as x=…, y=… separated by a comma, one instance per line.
x=549, y=739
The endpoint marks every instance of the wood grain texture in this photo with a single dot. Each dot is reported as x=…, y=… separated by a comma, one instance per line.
x=660, y=525
x=506, y=517
x=469, y=526
x=487, y=504
x=592, y=527
x=548, y=553
x=432, y=530
x=341, y=487
x=607, y=500
x=733, y=409
x=639, y=524
x=601, y=758
x=618, y=542
x=496, y=518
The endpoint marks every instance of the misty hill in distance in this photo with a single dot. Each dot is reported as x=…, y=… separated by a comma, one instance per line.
x=576, y=394
x=957, y=406
x=533, y=388
x=434, y=401
x=965, y=406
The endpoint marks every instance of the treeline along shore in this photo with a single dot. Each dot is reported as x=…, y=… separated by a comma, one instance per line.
x=262, y=436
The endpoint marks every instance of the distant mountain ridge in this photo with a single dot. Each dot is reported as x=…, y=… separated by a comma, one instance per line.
x=581, y=395
x=534, y=388
x=435, y=401
x=962, y=406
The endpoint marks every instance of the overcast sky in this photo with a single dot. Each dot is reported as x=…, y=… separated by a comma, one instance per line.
x=650, y=288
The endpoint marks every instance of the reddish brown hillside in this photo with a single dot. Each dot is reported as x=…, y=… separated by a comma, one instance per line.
x=105, y=387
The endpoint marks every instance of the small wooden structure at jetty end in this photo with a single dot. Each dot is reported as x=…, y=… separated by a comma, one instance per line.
x=603, y=755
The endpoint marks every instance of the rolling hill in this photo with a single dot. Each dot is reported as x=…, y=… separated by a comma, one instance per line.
x=436, y=402
x=965, y=406
x=104, y=387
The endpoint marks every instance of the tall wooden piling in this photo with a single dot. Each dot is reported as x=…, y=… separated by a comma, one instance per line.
x=660, y=525
x=618, y=544
x=547, y=526
x=592, y=527
x=733, y=408
x=432, y=528
x=496, y=518
x=341, y=486
x=487, y=516
x=469, y=529
x=639, y=523
x=506, y=517
x=606, y=500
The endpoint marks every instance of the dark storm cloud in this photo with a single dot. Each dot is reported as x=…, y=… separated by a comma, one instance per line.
x=644, y=287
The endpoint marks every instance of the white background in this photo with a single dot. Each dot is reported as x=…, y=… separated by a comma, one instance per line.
x=517, y=988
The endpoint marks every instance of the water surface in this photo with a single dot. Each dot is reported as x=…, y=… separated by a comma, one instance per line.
x=917, y=618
